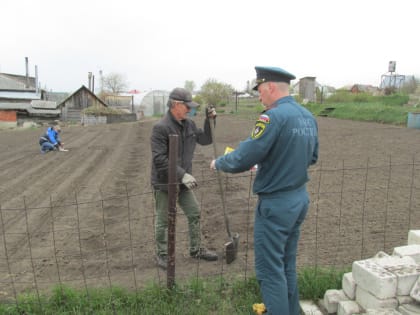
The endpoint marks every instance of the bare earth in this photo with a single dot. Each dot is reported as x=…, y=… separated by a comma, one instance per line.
x=85, y=217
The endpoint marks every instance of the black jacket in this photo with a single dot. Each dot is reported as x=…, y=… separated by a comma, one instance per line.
x=188, y=136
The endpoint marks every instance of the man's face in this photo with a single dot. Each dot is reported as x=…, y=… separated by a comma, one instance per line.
x=180, y=110
x=264, y=94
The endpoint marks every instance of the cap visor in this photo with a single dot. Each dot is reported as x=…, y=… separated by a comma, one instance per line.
x=192, y=104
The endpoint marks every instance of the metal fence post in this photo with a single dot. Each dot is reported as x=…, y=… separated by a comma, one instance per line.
x=172, y=197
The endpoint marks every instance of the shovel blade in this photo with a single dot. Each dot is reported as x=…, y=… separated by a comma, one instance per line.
x=231, y=248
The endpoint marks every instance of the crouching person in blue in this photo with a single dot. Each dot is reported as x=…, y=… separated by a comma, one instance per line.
x=283, y=143
x=51, y=140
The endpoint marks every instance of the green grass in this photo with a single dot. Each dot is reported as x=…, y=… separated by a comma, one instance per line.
x=199, y=296
x=314, y=281
x=389, y=109
x=373, y=112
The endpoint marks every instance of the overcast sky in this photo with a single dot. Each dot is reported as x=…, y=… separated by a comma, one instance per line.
x=159, y=44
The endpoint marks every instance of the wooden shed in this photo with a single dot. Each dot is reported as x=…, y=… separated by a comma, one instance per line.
x=73, y=105
x=307, y=89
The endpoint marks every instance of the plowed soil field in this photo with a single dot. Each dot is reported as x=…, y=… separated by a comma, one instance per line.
x=85, y=217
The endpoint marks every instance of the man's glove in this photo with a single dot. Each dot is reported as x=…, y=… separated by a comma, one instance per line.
x=211, y=112
x=213, y=165
x=189, y=181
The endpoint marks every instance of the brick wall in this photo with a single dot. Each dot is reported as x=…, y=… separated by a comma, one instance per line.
x=8, y=115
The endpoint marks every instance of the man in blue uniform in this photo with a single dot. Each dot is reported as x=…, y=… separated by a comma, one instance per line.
x=283, y=143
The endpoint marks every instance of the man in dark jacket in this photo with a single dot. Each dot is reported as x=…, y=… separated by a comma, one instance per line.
x=176, y=122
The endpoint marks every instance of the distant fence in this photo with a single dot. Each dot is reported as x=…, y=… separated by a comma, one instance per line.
x=358, y=208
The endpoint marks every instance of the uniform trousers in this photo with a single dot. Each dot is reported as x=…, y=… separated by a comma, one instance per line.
x=278, y=218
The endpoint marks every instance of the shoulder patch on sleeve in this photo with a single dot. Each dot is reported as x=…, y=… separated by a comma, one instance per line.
x=258, y=130
x=260, y=126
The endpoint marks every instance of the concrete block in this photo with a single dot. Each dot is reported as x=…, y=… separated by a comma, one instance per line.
x=348, y=308
x=408, y=250
x=413, y=237
x=409, y=309
x=331, y=299
x=415, y=291
x=369, y=301
x=394, y=261
x=405, y=299
x=387, y=311
x=406, y=278
x=309, y=308
x=374, y=279
x=349, y=285
x=381, y=255
x=404, y=268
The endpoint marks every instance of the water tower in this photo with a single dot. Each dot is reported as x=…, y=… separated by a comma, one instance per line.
x=391, y=66
x=391, y=80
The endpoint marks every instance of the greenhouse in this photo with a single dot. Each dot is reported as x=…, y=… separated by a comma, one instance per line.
x=150, y=103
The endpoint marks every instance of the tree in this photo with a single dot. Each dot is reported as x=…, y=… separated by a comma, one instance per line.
x=189, y=85
x=215, y=93
x=114, y=83
x=409, y=85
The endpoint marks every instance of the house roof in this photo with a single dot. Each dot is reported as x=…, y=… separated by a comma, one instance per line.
x=16, y=82
x=55, y=96
x=29, y=108
x=88, y=91
x=20, y=95
x=41, y=104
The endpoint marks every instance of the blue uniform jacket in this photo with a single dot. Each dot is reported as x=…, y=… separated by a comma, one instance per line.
x=284, y=143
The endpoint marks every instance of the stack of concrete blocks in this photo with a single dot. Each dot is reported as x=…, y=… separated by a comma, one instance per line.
x=382, y=285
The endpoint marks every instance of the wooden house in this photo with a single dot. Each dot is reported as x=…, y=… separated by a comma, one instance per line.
x=73, y=105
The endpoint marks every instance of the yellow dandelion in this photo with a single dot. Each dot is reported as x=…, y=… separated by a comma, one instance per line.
x=259, y=308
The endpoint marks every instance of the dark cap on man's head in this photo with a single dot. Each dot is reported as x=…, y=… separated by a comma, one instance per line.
x=183, y=95
x=272, y=74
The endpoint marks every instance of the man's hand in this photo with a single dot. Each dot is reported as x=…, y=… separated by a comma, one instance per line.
x=213, y=165
x=211, y=112
x=189, y=181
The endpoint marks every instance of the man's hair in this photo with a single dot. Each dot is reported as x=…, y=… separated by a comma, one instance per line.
x=282, y=86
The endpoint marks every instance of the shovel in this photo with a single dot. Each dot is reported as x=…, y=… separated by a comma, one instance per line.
x=231, y=247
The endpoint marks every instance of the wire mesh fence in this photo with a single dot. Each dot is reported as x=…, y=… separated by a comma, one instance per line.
x=358, y=208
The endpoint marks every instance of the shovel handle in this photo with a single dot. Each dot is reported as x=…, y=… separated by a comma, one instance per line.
x=219, y=179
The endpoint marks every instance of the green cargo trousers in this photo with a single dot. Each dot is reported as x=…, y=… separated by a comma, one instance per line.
x=189, y=205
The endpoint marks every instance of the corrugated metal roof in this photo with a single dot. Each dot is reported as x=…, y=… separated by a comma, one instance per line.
x=20, y=95
x=29, y=109
x=17, y=106
x=16, y=82
x=37, y=111
x=56, y=96
x=9, y=84
x=41, y=104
